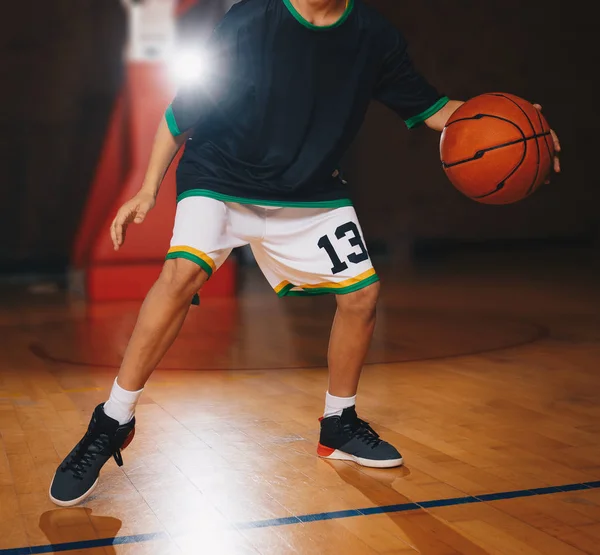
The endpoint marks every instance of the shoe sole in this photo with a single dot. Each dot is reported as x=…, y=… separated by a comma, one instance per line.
x=72, y=502
x=336, y=454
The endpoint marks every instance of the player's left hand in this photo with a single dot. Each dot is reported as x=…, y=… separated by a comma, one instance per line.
x=556, y=146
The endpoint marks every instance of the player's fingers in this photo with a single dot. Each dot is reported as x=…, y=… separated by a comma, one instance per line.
x=538, y=106
x=113, y=234
x=118, y=233
x=555, y=140
x=141, y=211
x=120, y=225
x=556, y=164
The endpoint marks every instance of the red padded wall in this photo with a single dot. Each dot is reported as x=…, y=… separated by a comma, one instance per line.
x=129, y=272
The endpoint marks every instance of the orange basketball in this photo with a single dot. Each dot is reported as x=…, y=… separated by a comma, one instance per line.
x=497, y=148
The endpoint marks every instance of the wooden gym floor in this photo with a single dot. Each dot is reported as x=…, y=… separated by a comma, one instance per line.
x=485, y=375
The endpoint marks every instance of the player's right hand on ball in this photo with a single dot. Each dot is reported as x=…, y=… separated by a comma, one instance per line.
x=133, y=211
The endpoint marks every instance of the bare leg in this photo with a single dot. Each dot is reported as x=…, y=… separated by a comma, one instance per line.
x=344, y=436
x=160, y=319
x=350, y=339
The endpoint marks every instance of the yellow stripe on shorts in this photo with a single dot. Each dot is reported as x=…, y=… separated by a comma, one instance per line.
x=350, y=284
x=197, y=256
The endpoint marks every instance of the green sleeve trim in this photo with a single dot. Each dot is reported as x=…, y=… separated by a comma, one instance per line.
x=313, y=27
x=286, y=291
x=189, y=256
x=420, y=118
x=171, y=122
x=336, y=203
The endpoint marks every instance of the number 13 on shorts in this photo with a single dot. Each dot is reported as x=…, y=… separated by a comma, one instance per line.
x=314, y=251
x=351, y=229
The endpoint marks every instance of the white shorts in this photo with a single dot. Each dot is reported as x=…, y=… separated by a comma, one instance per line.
x=301, y=251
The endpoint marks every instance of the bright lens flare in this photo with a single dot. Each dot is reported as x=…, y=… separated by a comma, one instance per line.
x=189, y=67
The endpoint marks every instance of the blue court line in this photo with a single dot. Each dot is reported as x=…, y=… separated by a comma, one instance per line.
x=416, y=505
x=315, y=517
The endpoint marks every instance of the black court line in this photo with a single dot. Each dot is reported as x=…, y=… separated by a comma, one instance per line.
x=315, y=517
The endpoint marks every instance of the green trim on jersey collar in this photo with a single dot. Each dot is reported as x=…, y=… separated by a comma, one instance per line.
x=420, y=118
x=308, y=25
x=337, y=203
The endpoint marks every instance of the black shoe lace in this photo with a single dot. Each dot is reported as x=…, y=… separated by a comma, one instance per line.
x=361, y=430
x=86, y=452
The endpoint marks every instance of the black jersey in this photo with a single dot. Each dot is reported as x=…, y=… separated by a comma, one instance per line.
x=280, y=100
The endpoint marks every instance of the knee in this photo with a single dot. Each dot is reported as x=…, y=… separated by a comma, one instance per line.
x=182, y=278
x=361, y=303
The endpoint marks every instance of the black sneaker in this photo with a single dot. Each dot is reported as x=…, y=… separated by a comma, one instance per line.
x=348, y=438
x=77, y=475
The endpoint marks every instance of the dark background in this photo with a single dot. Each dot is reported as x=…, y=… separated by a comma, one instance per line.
x=61, y=67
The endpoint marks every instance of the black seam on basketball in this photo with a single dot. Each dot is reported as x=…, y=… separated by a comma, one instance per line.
x=481, y=116
x=537, y=146
x=500, y=185
x=480, y=153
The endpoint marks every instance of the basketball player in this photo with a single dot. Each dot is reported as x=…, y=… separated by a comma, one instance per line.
x=285, y=94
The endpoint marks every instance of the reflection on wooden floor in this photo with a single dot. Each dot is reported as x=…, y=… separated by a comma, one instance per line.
x=488, y=384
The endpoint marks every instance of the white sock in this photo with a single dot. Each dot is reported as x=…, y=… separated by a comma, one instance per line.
x=121, y=403
x=335, y=405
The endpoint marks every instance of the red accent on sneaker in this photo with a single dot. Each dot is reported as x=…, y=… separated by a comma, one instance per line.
x=323, y=451
x=129, y=439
